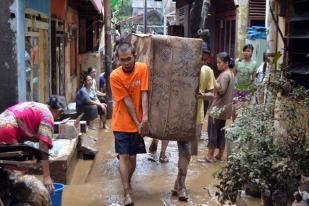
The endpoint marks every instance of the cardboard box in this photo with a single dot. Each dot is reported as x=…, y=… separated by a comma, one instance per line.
x=174, y=64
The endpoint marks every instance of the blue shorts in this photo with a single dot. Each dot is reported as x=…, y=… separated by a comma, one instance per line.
x=129, y=143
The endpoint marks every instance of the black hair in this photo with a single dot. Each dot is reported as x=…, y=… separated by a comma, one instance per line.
x=85, y=77
x=57, y=102
x=248, y=46
x=205, y=48
x=89, y=70
x=123, y=47
x=225, y=57
x=264, y=56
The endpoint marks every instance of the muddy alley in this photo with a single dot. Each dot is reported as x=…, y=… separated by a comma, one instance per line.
x=98, y=183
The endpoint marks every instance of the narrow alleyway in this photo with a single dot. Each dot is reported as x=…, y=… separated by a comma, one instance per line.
x=152, y=181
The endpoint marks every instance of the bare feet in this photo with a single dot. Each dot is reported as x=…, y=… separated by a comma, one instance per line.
x=104, y=126
x=183, y=195
x=175, y=191
x=128, y=200
x=153, y=147
x=163, y=158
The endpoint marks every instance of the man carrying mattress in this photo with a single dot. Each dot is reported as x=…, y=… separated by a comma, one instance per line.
x=129, y=85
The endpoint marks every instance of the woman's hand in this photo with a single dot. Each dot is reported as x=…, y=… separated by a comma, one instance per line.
x=205, y=96
x=200, y=95
x=48, y=182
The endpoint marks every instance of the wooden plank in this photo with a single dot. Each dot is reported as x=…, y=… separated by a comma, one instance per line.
x=62, y=169
x=20, y=164
x=12, y=154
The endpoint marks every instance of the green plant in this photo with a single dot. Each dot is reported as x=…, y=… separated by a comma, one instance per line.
x=270, y=141
x=251, y=124
x=300, y=94
x=232, y=178
x=263, y=153
x=121, y=10
x=273, y=164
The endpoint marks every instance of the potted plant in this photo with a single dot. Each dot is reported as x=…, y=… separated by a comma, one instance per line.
x=232, y=178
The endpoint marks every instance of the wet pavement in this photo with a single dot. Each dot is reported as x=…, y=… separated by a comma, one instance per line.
x=99, y=183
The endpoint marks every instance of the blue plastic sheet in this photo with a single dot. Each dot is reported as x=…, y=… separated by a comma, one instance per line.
x=256, y=32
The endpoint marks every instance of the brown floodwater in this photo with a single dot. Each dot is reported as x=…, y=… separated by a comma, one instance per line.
x=98, y=183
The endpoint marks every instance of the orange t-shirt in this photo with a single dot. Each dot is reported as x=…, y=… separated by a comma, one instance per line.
x=128, y=84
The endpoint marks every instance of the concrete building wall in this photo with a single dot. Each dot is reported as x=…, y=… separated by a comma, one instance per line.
x=20, y=15
x=8, y=54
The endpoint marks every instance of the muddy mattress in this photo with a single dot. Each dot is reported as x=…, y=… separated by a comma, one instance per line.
x=174, y=64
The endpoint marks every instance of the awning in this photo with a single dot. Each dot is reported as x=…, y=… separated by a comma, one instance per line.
x=98, y=5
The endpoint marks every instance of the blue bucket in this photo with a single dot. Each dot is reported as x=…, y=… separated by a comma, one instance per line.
x=56, y=196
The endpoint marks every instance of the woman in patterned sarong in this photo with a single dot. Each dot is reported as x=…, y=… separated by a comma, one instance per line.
x=32, y=121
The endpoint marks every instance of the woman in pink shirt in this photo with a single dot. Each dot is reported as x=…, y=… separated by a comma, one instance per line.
x=32, y=121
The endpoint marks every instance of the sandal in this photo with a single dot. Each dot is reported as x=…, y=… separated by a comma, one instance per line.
x=209, y=160
x=218, y=158
x=163, y=158
x=92, y=128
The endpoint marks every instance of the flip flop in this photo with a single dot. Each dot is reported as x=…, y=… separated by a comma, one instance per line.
x=209, y=160
x=217, y=158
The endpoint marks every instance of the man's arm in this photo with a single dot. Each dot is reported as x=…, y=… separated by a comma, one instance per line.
x=145, y=105
x=207, y=84
x=129, y=103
